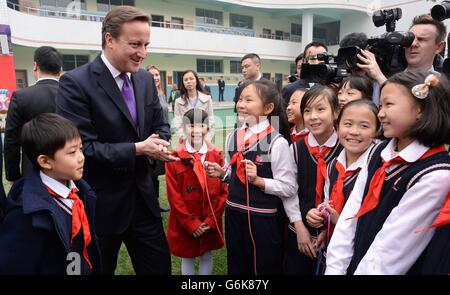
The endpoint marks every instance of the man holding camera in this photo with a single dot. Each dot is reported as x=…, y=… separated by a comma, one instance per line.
x=309, y=56
x=429, y=40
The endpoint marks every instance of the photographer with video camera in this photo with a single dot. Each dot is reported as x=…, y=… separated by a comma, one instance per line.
x=309, y=56
x=359, y=40
x=429, y=40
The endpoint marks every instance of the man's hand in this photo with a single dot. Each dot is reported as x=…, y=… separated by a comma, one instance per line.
x=370, y=66
x=155, y=148
x=214, y=170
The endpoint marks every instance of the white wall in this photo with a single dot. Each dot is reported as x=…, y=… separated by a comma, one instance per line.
x=85, y=35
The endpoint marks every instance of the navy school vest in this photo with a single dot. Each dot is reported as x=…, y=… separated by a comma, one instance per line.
x=396, y=183
x=260, y=203
x=307, y=177
x=333, y=175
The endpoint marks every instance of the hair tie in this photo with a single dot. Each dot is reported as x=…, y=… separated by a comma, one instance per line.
x=421, y=90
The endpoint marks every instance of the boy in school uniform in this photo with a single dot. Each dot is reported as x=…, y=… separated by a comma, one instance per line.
x=48, y=226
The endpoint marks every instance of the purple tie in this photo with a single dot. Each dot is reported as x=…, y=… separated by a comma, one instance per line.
x=127, y=93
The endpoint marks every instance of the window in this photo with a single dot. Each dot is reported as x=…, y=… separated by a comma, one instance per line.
x=235, y=66
x=296, y=29
x=158, y=21
x=13, y=4
x=327, y=33
x=209, y=66
x=176, y=23
x=241, y=21
x=71, y=62
x=106, y=5
x=293, y=69
x=61, y=4
x=206, y=16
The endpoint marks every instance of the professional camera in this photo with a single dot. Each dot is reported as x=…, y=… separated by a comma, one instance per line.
x=325, y=73
x=441, y=11
x=387, y=48
x=347, y=57
x=292, y=78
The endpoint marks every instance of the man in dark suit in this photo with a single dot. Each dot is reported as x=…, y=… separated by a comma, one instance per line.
x=221, y=84
x=26, y=104
x=115, y=106
x=250, y=66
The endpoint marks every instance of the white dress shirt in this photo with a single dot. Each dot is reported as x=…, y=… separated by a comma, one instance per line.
x=59, y=188
x=115, y=72
x=396, y=246
x=284, y=181
x=292, y=205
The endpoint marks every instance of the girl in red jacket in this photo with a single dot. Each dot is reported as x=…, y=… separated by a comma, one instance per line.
x=196, y=200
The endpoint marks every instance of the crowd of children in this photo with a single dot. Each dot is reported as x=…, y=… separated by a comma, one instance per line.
x=334, y=185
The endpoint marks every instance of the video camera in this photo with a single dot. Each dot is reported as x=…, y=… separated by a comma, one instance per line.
x=387, y=48
x=441, y=12
x=325, y=73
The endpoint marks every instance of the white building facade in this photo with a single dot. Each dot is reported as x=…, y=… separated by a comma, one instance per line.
x=205, y=35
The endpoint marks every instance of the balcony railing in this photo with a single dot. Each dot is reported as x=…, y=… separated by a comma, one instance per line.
x=187, y=25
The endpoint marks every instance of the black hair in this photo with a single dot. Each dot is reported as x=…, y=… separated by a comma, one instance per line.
x=48, y=60
x=183, y=90
x=433, y=127
x=268, y=92
x=299, y=57
x=195, y=116
x=253, y=56
x=354, y=39
x=45, y=135
x=360, y=83
x=319, y=90
x=362, y=102
x=314, y=44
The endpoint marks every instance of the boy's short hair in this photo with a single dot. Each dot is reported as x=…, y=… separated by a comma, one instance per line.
x=195, y=116
x=45, y=135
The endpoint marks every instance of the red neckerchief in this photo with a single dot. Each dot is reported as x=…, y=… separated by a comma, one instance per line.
x=241, y=145
x=297, y=136
x=321, y=168
x=337, y=194
x=79, y=220
x=376, y=184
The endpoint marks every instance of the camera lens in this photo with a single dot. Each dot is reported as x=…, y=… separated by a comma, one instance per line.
x=441, y=11
x=350, y=61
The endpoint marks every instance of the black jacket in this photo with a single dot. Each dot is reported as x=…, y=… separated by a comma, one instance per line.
x=25, y=104
x=35, y=235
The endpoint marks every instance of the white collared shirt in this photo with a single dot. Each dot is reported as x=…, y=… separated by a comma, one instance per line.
x=359, y=163
x=114, y=72
x=396, y=246
x=59, y=188
x=292, y=205
x=284, y=181
x=331, y=141
x=294, y=131
x=203, y=150
x=46, y=78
